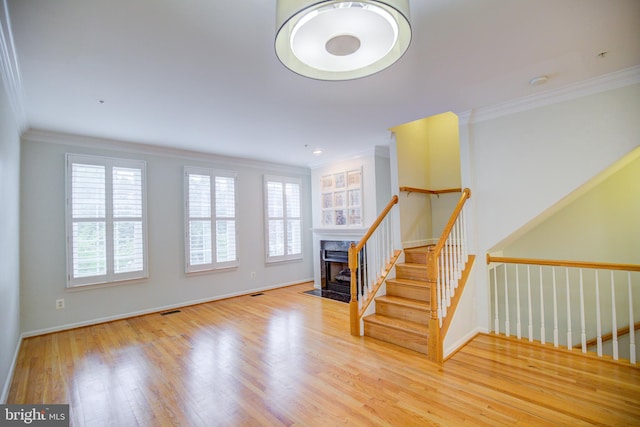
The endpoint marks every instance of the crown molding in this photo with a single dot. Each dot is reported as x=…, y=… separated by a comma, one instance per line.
x=9, y=69
x=95, y=143
x=615, y=80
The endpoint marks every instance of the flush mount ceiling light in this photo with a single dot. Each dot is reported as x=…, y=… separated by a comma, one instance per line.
x=341, y=40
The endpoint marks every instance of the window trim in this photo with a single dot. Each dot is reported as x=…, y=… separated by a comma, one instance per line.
x=212, y=174
x=284, y=180
x=110, y=277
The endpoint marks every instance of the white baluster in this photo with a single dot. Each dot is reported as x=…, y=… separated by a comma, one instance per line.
x=506, y=302
x=447, y=288
x=518, y=324
x=463, y=220
x=583, y=334
x=569, y=337
x=442, y=285
x=598, y=320
x=379, y=256
x=459, y=264
x=529, y=301
x=632, y=327
x=496, y=321
x=449, y=270
x=438, y=285
x=614, y=322
x=445, y=255
x=454, y=257
x=363, y=279
x=555, y=309
x=386, y=244
x=383, y=254
x=542, y=331
x=359, y=276
x=458, y=248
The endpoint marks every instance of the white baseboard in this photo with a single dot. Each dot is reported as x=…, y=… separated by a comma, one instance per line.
x=12, y=368
x=156, y=309
x=452, y=348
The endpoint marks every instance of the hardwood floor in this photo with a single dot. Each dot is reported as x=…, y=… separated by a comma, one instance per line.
x=286, y=358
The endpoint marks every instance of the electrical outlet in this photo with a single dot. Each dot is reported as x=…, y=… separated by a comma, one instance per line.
x=60, y=303
x=253, y=274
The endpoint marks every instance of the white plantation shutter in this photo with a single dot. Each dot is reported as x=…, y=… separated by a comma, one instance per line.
x=294, y=231
x=88, y=211
x=199, y=208
x=283, y=218
x=275, y=213
x=210, y=217
x=128, y=239
x=225, y=196
x=106, y=220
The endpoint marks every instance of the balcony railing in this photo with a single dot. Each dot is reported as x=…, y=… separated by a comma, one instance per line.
x=590, y=306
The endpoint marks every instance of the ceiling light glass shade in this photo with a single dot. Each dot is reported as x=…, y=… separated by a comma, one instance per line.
x=341, y=40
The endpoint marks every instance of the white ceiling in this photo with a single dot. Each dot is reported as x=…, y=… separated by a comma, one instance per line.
x=202, y=74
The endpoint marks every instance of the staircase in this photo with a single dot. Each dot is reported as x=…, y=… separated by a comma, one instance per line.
x=402, y=316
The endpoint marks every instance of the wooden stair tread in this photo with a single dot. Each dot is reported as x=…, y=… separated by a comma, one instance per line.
x=399, y=324
x=413, y=265
x=405, y=302
x=409, y=282
x=419, y=249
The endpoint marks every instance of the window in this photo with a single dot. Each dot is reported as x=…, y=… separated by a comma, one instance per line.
x=210, y=203
x=106, y=220
x=283, y=218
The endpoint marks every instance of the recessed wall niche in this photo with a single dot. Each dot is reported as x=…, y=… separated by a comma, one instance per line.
x=341, y=198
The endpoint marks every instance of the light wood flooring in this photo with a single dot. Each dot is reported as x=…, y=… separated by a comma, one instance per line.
x=286, y=358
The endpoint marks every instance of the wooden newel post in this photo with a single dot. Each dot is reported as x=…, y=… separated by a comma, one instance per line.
x=434, y=347
x=353, y=302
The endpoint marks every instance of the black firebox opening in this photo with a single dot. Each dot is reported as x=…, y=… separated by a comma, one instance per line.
x=334, y=261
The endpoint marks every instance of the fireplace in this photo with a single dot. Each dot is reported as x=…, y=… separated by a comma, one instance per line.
x=334, y=266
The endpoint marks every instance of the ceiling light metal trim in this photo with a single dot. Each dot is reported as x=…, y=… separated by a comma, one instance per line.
x=341, y=40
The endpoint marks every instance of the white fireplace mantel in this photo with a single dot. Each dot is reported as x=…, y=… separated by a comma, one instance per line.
x=353, y=234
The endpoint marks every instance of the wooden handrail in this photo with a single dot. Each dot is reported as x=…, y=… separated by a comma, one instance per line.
x=436, y=331
x=425, y=191
x=466, y=193
x=354, y=250
x=376, y=223
x=560, y=263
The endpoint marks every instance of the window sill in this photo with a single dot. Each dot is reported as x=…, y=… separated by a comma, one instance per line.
x=79, y=288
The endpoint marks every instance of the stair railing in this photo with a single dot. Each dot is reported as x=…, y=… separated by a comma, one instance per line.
x=446, y=262
x=377, y=248
x=570, y=303
x=410, y=190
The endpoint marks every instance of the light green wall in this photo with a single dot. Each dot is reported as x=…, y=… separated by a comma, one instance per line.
x=596, y=223
x=428, y=152
x=519, y=164
x=444, y=151
x=601, y=225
